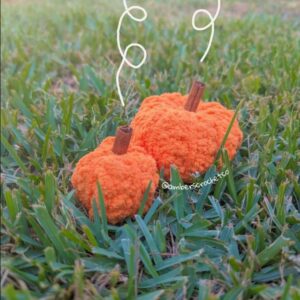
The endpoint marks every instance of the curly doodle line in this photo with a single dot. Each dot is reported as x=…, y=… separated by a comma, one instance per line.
x=203, y=28
x=124, y=53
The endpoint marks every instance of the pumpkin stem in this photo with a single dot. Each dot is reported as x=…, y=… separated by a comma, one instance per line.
x=122, y=140
x=194, y=97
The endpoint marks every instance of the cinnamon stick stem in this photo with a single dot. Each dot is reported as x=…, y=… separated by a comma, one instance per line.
x=122, y=140
x=195, y=95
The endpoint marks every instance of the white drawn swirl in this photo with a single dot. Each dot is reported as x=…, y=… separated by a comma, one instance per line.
x=203, y=28
x=128, y=11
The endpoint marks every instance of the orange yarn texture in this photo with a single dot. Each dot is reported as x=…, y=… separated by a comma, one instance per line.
x=123, y=179
x=188, y=140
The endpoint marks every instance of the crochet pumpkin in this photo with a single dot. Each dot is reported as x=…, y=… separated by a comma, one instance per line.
x=179, y=130
x=123, y=171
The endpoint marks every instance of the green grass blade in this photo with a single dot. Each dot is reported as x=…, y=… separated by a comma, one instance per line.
x=50, y=189
x=145, y=198
x=146, y=260
x=229, y=177
x=89, y=234
x=178, y=260
x=179, y=200
x=52, y=232
x=13, y=153
x=272, y=250
x=150, y=241
x=131, y=254
x=12, y=206
x=169, y=277
x=106, y=253
x=151, y=296
x=205, y=190
x=102, y=209
x=152, y=210
x=219, y=153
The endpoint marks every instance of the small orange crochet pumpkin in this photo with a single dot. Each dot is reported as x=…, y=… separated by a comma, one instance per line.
x=177, y=130
x=123, y=171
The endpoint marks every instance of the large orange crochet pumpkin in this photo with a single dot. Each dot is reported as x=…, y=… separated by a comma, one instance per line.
x=178, y=130
x=123, y=171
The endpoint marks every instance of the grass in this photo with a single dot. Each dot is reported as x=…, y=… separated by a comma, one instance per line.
x=237, y=239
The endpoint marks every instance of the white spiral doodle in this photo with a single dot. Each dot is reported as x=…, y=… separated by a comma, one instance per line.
x=211, y=24
x=128, y=11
